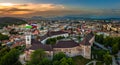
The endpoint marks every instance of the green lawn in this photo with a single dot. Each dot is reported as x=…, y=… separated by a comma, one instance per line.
x=79, y=60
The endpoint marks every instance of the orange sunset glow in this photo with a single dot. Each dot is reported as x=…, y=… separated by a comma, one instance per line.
x=30, y=8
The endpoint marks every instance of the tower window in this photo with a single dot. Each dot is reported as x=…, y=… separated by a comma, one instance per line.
x=27, y=38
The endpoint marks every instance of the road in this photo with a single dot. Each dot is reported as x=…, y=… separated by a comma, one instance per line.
x=100, y=45
x=94, y=62
x=22, y=59
x=113, y=61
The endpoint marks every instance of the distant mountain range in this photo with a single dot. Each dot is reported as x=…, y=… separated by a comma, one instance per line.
x=4, y=21
x=76, y=17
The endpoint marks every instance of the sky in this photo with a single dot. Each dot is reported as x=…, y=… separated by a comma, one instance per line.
x=29, y=8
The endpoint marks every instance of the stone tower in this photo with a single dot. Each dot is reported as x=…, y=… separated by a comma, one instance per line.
x=87, y=44
x=87, y=51
x=28, y=39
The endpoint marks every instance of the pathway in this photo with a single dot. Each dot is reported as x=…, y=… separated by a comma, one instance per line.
x=94, y=62
x=22, y=59
x=100, y=45
x=113, y=61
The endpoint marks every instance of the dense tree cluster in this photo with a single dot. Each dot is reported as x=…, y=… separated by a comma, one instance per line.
x=80, y=60
x=109, y=42
x=54, y=40
x=4, y=51
x=61, y=59
x=13, y=31
x=39, y=58
x=21, y=48
x=36, y=57
x=3, y=37
x=5, y=21
x=9, y=57
x=107, y=59
x=112, y=43
x=102, y=55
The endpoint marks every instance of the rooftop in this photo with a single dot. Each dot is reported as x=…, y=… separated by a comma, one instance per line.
x=38, y=45
x=65, y=44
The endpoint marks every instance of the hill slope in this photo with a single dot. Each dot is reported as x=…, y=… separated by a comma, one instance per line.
x=4, y=21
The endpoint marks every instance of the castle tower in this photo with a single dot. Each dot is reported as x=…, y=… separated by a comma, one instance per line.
x=28, y=39
x=86, y=45
x=87, y=51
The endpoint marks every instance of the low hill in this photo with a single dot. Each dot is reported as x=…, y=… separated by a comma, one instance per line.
x=4, y=21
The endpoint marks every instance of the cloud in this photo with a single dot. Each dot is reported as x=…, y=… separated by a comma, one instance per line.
x=31, y=9
x=19, y=9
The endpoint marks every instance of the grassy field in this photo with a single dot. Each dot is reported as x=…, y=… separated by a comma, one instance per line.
x=79, y=60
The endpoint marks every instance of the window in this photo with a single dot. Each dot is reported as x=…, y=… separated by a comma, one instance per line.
x=66, y=50
x=69, y=52
x=27, y=38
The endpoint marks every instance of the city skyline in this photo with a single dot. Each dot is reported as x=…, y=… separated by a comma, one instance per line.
x=59, y=7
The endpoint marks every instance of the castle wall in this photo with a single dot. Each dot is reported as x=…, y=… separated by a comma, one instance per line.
x=68, y=51
x=92, y=40
x=86, y=51
x=49, y=54
x=65, y=35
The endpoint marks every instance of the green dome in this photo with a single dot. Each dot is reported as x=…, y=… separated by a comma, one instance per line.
x=28, y=26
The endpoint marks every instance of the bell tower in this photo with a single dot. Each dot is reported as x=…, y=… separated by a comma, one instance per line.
x=28, y=39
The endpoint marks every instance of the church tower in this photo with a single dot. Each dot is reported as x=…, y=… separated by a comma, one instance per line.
x=28, y=39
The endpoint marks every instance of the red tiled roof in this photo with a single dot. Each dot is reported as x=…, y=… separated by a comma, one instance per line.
x=38, y=45
x=65, y=44
x=86, y=40
x=52, y=33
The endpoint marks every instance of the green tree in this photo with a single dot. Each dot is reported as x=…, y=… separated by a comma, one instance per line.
x=45, y=61
x=36, y=57
x=99, y=38
x=60, y=37
x=115, y=48
x=56, y=62
x=51, y=41
x=13, y=31
x=17, y=63
x=10, y=58
x=63, y=61
x=119, y=42
x=107, y=59
x=100, y=54
x=20, y=48
x=4, y=51
x=59, y=56
x=3, y=37
x=107, y=41
x=70, y=61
